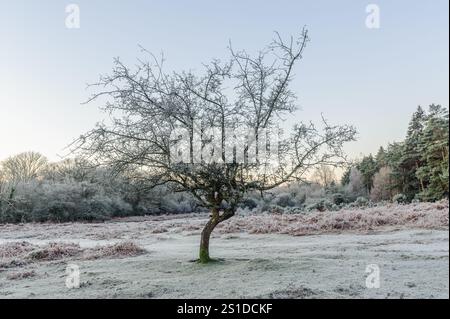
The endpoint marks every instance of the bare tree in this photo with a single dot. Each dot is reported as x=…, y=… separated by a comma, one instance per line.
x=76, y=169
x=3, y=184
x=383, y=185
x=23, y=167
x=324, y=175
x=356, y=186
x=147, y=105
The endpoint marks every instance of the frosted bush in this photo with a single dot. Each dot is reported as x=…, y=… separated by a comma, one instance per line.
x=249, y=203
x=321, y=205
x=298, y=196
x=178, y=203
x=293, y=210
x=300, y=199
x=361, y=201
x=63, y=201
x=355, y=187
x=284, y=200
x=400, y=199
x=335, y=207
x=382, y=185
x=338, y=198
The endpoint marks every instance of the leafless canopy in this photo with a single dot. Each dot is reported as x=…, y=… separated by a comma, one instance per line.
x=146, y=105
x=22, y=167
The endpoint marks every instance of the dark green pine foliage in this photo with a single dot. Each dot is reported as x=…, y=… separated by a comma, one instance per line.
x=345, y=179
x=434, y=149
x=411, y=158
x=368, y=168
x=419, y=164
x=381, y=158
x=394, y=156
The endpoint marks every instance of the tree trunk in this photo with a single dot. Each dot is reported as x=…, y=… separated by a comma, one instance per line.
x=204, y=240
x=215, y=219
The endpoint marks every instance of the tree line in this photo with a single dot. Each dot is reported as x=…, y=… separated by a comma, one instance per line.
x=32, y=189
x=35, y=189
x=414, y=169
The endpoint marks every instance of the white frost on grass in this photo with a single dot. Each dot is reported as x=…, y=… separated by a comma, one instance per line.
x=413, y=264
x=258, y=256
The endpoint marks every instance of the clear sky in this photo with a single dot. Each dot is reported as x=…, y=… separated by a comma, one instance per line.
x=372, y=78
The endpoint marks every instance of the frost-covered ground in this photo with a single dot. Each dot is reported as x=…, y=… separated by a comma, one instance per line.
x=318, y=255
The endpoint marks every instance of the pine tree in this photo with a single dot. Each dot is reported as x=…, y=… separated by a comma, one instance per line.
x=398, y=173
x=411, y=158
x=368, y=168
x=345, y=179
x=434, y=149
x=380, y=158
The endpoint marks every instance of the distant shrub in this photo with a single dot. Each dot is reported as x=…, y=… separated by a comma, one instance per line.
x=63, y=201
x=355, y=188
x=294, y=210
x=275, y=209
x=361, y=201
x=338, y=198
x=249, y=203
x=300, y=199
x=321, y=205
x=400, y=199
x=284, y=200
x=178, y=203
x=335, y=207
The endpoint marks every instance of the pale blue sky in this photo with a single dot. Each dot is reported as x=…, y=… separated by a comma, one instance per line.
x=372, y=78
